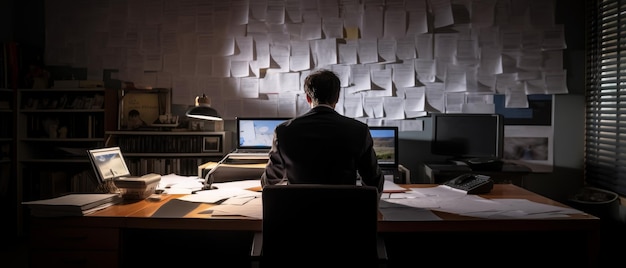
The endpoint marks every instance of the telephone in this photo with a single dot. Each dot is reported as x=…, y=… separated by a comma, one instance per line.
x=471, y=183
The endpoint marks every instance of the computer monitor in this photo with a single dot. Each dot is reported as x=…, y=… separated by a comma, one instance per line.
x=385, y=145
x=108, y=163
x=256, y=133
x=468, y=136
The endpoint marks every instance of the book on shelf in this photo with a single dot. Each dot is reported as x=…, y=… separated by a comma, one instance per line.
x=71, y=204
x=77, y=83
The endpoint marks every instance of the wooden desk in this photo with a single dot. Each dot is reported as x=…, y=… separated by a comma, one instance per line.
x=117, y=233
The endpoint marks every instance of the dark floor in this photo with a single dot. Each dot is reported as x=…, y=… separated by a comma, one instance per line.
x=15, y=254
x=612, y=248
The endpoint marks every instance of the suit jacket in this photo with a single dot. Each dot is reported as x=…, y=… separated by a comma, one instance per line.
x=322, y=147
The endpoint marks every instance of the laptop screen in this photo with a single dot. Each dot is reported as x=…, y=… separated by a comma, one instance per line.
x=108, y=163
x=256, y=132
x=385, y=145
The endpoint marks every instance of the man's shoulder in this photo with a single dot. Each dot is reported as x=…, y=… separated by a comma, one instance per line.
x=354, y=122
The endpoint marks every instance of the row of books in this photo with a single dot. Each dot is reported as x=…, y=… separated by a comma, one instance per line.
x=95, y=101
x=179, y=166
x=162, y=144
x=63, y=126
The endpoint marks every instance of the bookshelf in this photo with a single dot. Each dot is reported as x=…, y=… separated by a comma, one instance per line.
x=8, y=183
x=167, y=152
x=55, y=128
x=6, y=138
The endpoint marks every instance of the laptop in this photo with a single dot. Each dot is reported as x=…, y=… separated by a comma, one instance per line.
x=109, y=164
x=386, y=148
x=254, y=137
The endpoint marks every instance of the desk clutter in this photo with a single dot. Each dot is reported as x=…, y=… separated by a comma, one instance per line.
x=243, y=198
x=71, y=204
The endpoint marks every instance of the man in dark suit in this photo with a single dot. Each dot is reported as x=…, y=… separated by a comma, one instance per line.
x=322, y=146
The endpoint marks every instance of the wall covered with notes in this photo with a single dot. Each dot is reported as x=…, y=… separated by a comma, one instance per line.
x=397, y=60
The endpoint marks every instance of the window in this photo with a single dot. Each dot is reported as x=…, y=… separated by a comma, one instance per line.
x=605, y=144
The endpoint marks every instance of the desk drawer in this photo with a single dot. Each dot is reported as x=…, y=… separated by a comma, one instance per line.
x=75, y=238
x=91, y=259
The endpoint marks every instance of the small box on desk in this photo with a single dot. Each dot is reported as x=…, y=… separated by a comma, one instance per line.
x=231, y=171
x=137, y=187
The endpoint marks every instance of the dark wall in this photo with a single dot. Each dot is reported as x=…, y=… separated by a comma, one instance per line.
x=24, y=22
x=568, y=119
x=27, y=20
x=6, y=21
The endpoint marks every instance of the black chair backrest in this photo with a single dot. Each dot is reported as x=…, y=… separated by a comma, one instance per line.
x=324, y=222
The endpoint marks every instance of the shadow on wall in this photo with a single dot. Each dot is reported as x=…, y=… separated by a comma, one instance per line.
x=558, y=185
x=412, y=154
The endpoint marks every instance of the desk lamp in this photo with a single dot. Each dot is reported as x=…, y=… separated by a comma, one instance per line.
x=203, y=110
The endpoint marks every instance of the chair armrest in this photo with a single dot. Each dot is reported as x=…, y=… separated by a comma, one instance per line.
x=381, y=248
x=257, y=244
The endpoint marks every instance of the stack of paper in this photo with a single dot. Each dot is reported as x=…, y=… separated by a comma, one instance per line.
x=71, y=205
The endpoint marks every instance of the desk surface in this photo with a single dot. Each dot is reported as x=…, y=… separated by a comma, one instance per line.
x=138, y=215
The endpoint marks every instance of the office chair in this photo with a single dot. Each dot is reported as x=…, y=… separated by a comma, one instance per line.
x=308, y=225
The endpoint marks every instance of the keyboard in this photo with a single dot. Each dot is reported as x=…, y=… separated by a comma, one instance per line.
x=471, y=183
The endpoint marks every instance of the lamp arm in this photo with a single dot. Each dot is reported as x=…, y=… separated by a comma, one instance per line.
x=208, y=178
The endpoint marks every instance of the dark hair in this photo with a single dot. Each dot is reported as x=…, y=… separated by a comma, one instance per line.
x=133, y=112
x=322, y=86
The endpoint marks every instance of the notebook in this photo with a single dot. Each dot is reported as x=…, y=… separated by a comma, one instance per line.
x=386, y=148
x=254, y=137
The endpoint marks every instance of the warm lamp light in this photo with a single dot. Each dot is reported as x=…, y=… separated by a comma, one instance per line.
x=202, y=110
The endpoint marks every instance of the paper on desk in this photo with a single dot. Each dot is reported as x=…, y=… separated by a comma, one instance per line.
x=390, y=187
x=252, y=208
x=242, y=199
x=471, y=204
x=411, y=199
x=244, y=184
x=213, y=196
x=177, y=181
x=530, y=207
x=450, y=200
x=399, y=212
x=440, y=192
x=526, y=209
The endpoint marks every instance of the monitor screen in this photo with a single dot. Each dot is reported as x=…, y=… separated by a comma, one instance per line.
x=108, y=163
x=464, y=136
x=256, y=132
x=385, y=144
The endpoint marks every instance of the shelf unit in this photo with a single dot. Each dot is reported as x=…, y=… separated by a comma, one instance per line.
x=55, y=128
x=6, y=139
x=167, y=152
x=8, y=184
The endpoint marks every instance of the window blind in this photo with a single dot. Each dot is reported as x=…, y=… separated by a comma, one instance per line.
x=605, y=127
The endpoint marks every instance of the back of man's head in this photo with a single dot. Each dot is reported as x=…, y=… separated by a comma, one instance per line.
x=322, y=86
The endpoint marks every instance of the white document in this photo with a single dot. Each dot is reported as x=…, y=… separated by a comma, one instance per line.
x=243, y=184
x=398, y=212
x=253, y=209
x=213, y=196
x=390, y=187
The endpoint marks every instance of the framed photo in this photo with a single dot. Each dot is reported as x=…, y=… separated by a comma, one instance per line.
x=212, y=144
x=531, y=146
x=140, y=108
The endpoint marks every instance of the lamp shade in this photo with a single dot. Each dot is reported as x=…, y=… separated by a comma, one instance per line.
x=203, y=110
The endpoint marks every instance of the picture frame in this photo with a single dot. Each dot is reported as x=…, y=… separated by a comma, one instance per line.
x=139, y=109
x=212, y=144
